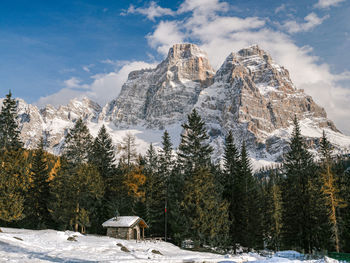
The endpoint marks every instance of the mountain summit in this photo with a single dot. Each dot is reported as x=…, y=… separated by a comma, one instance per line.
x=164, y=95
x=250, y=94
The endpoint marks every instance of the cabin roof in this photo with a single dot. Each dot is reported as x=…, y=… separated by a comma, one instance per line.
x=125, y=221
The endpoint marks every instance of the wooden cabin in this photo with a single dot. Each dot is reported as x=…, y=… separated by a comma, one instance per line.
x=126, y=227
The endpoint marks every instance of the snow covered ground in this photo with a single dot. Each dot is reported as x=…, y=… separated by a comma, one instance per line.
x=21, y=245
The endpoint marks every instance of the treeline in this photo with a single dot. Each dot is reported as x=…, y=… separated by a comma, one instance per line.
x=303, y=204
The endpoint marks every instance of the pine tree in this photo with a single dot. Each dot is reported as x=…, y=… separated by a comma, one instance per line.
x=102, y=157
x=75, y=188
x=273, y=210
x=330, y=189
x=298, y=226
x=232, y=190
x=103, y=154
x=194, y=150
x=39, y=192
x=13, y=185
x=205, y=212
x=9, y=131
x=252, y=227
x=155, y=193
x=78, y=143
x=166, y=164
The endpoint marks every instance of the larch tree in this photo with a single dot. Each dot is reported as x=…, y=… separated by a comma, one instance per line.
x=330, y=189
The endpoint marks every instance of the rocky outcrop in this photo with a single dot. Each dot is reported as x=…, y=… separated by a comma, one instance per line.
x=164, y=95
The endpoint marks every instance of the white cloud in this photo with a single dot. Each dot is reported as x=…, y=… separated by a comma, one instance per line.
x=151, y=12
x=166, y=34
x=312, y=20
x=280, y=8
x=103, y=88
x=327, y=3
x=219, y=35
x=203, y=7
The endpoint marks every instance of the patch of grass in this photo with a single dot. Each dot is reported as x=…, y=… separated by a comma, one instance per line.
x=119, y=245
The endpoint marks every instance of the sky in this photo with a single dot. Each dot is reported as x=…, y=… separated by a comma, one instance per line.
x=53, y=51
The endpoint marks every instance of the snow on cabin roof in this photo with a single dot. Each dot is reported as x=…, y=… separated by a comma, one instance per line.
x=123, y=221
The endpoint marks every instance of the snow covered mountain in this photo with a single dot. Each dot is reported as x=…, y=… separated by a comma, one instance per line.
x=250, y=94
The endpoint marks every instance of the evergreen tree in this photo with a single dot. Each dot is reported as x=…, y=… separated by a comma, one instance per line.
x=194, y=150
x=232, y=191
x=205, y=211
x=75, y=188
x=166, y=165
x=39, y=191
x=102, y=157
x=252, y=227
x=273, y=210
x=78, y=143
x=9, y=131
x=13, y=185
x=155, y=193
x=298, y=225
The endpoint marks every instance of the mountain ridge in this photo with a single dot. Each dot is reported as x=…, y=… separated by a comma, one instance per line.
x=249, y=94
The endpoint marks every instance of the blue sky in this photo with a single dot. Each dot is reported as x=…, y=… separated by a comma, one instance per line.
x=52, y=51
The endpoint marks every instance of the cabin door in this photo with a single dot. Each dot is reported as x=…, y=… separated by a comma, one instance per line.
x=135, y=233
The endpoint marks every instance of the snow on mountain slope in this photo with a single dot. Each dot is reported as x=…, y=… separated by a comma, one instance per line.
x=164, y=95
x=250, y=94
x=22, y=245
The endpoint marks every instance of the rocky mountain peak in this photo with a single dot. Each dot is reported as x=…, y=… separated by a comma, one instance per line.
x=184, y=51
x=155, y=97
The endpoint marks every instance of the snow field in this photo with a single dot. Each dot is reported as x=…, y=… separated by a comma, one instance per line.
x=21, y=245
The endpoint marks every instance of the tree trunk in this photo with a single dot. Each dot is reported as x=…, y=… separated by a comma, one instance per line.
x=76, y=226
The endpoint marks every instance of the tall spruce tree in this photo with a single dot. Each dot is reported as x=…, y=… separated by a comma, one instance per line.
x=166, y=164
x=232, y=191
x=13, y=172
x=205, y=211
x=39, y=191
x=78, y=143
x=272, y=222
x=194, y=152
x=155, y=193
x=78, y=184
x=9, y=131
x=75, y=188
x=13, y=185
x=102, y=157
x=298, y=225
x=252, y=225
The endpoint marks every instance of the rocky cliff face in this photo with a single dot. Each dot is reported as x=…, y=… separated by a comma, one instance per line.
x=250, y=94
x=164, y=95
x=51, y=123
x=255, y=97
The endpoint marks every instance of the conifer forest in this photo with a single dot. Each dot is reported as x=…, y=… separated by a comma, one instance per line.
x=302, y=204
